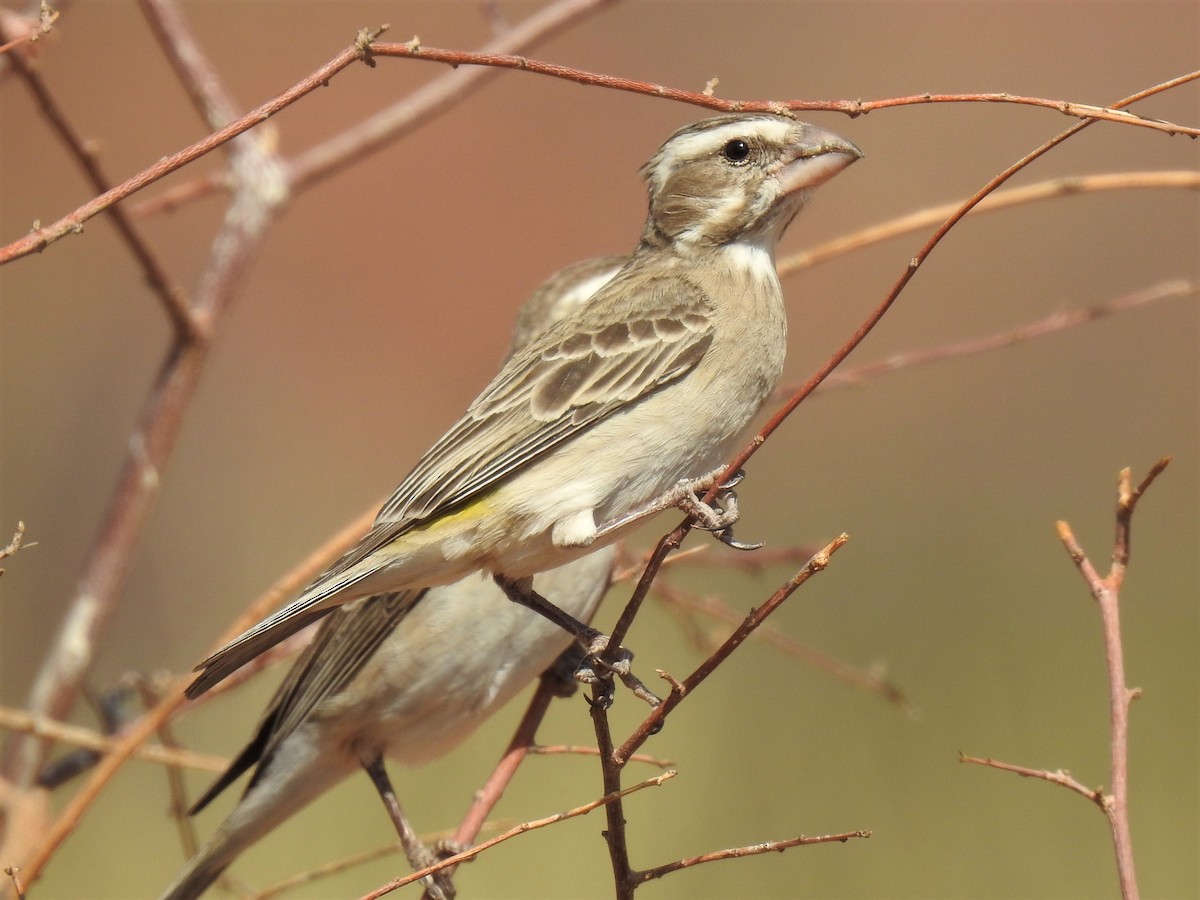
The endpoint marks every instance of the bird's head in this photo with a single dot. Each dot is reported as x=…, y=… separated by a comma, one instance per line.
x=737, y=177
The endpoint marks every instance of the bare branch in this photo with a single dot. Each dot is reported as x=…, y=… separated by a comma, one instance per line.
x=174, y=697
x=524, y=827
x=1105, y=589
x=654, y=721
x=715, y=608
x=29, y=723
x=740, y=852
x=42, y=237
x=1060, y=777
x=1051, y=324
x=926, y=218
x=414, y=50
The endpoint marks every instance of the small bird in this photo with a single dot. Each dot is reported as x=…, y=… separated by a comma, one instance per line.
x=645, y=387
x=406, y=676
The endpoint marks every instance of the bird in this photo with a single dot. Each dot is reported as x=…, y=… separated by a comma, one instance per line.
x=646, y=387
x=405, y=676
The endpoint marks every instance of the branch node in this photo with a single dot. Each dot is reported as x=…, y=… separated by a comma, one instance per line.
x=363, y=41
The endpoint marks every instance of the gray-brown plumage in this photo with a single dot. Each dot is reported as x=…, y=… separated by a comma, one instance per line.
x=647, y=385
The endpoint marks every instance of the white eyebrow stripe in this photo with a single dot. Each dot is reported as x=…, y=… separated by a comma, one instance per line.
x=702, y=143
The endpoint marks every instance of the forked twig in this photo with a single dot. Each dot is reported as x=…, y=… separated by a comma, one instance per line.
x=1105, y=590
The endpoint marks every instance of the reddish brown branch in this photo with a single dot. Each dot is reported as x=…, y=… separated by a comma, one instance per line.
x=654, y=721
x=42, y=237
x=414, y=50
x=715, y=608
x=172, y=295
x=516, y=831
x=1105, y=589
x=1060, y=777
x=1031, y=193
x=174, y=698
x=740, y=852
x=1055, y=322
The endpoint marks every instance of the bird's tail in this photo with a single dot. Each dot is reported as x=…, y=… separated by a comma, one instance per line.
x=204, y=868
x=300, y=771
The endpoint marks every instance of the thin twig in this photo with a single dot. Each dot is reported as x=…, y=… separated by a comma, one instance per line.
x=516, y=831
x=613, y=761
x=1069, y=186
x=715, y=608
x=16, y=543
x=14, y=874
x=30, y=31
x=415, y=50
x=1105, y=590
x=385, y=127
x=753, y=850
x=654, y=721
x=1051, y=324
x=28, y=723
x=577, y=750
x=176, y=787
x=171, y=295
x=1060, y=777
x=174, y=697
x=338, y=866
x=41, y=237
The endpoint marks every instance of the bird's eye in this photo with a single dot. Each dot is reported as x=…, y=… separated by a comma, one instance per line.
x=736, y=150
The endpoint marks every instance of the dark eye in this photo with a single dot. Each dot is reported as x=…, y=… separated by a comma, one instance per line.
x=736, y=150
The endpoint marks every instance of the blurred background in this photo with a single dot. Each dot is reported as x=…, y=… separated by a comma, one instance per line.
x=381, y=304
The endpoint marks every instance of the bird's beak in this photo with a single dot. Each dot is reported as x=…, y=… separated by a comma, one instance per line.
x=818, y=156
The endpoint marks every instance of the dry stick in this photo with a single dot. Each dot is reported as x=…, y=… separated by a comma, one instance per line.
x=176, y=787
x=14, y=873
x=139, y=482
x=15, y=543
x=414, y=50
x=106, y=570
x=1059, y=321
x=613, y=761
x=30, y=32
x=1106, y=591
x=577, y=750
x=524, y=827
x=514, y=754
x=192, y=68
x=715, y=608
x=330, y=157
x=1059, y=776
x=171, y=295
x=173, y=697
x=42, y=237
x=23, y=721
x=754, y=850
x=1031, y=193
x=338, y=866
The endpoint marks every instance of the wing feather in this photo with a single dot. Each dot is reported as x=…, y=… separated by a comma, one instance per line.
x=583, y=370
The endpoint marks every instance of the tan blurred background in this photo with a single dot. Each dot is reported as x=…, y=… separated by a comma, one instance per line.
x=381, y=304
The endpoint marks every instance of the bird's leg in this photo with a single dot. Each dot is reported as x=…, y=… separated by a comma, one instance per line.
x=717, y=517
x=594, y=643
x=437, y=886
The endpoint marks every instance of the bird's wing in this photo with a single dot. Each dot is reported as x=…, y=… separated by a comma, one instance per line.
x=572, y=377
x=587, y=367
x=347, y=638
